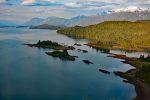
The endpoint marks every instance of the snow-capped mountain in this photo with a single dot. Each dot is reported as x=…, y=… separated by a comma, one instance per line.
x=132, y=9
x=128, y=14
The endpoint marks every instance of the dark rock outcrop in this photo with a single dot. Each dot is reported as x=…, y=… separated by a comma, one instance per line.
x=104, y=71
x=87, y=62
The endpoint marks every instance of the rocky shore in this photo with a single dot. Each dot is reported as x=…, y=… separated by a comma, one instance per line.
x=142, y=89
x=134, y=76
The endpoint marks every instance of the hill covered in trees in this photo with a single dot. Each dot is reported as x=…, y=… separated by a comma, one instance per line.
x=123, y=35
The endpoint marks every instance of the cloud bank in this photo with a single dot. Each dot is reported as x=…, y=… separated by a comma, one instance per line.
x=27, y=9
x=75, y=3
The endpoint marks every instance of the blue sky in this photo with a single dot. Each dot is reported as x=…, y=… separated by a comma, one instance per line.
x=23, y=10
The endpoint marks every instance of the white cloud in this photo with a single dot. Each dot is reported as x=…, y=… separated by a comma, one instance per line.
x=52, y=1
x=63, y=8
x=110, y=1
x=26, y=2
x=130, y=8
x=72, y=4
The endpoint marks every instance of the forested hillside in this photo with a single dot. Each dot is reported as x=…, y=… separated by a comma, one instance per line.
x=114, y=34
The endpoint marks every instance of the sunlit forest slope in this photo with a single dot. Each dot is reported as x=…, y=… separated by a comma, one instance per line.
x=114, y=34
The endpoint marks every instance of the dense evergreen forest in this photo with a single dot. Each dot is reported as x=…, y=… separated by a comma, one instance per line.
x=124, y=35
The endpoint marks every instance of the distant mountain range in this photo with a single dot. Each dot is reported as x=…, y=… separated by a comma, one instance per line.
x=127, y=14
x=34, y=22
x=119, y=15
x=115, y=16
x=54, y=21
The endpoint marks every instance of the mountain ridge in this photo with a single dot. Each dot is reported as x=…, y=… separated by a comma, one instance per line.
x=127, y=14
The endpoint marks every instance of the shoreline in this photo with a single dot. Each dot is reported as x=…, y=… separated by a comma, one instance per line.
x=93, y=45
x=142, y=89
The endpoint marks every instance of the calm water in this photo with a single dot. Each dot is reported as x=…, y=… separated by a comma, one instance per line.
x=28, y=73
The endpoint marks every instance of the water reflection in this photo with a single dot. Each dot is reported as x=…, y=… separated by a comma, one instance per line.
x=28, y=73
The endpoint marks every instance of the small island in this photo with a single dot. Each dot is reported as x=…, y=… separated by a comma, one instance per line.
x=62, y=54
x=77, y=44
x=104, y=71
x=87, y=62
x=51, y=45
x=84, y=51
